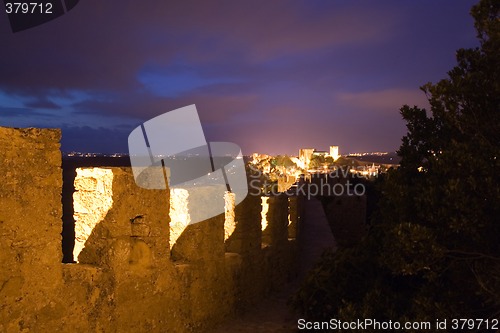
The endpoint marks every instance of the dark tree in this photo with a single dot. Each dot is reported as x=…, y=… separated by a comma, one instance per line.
x=433, y=250
x=316, y=161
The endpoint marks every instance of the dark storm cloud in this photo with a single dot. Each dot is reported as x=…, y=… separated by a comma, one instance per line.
x=142, y=106
x=103, y=45
x=84, y=138
x=315, y=72
x=42, y=103
x=6, y=112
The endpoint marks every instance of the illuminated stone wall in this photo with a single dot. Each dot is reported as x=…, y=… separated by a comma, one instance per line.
x=134, y=274
x=30, y=227
x=229, y=222
x=275, y=232
x=278, y=251
x=293, y=216
x=92, y=200
x=179, y=214
x=245, y=245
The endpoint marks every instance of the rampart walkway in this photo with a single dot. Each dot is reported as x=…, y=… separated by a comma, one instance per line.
x=272, y=314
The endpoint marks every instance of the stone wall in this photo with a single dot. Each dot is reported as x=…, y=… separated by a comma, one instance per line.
x=129, y=277
x=30, y=227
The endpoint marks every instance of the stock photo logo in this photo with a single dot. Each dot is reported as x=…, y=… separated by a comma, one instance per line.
x=170, y=151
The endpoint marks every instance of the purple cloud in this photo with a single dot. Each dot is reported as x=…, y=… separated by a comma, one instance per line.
x=314, y=73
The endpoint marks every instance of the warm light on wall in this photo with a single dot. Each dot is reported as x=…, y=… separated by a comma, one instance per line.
x=179, y=213
x=229, y=221
x=334, y=152
x=92, y=200
x=263, y=214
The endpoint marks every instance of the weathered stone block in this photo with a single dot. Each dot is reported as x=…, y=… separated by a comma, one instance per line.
x=30, y=225
x=126, y=280
x=276, y=233
x=247, y=235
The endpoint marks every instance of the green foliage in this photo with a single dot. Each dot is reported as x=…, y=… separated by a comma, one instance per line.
x=433, y=249
x=284, y=161
x=317, y=161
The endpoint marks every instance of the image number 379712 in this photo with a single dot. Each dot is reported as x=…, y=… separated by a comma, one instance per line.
x=25, y=15
x=28, y=8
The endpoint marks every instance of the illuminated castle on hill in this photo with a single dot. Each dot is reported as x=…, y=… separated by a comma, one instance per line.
x=305, y=155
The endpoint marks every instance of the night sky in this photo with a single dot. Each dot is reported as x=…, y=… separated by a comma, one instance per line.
x=270, y=76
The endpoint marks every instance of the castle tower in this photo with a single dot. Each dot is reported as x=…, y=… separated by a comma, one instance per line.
x=305, y=155
x=334, y=152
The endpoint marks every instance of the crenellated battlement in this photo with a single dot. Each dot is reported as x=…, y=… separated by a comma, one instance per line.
x=141, y=267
